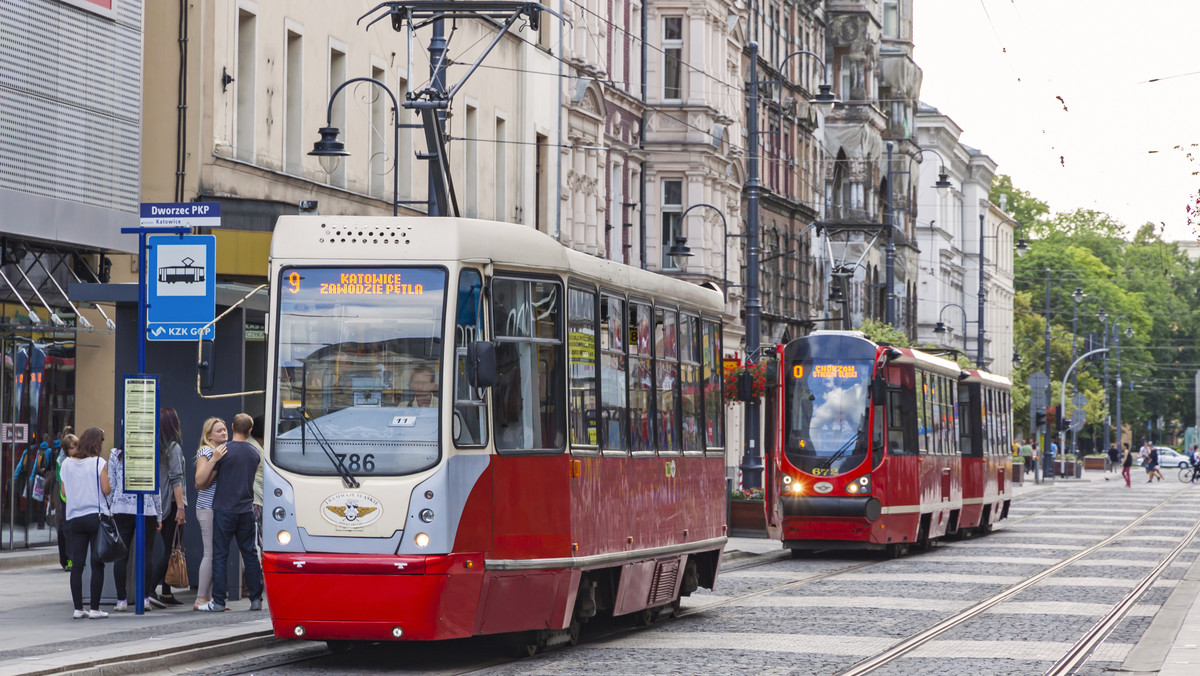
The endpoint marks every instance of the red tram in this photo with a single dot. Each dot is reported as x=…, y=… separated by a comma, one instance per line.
x=873, y=448
x=987, y=459
x=473, y=429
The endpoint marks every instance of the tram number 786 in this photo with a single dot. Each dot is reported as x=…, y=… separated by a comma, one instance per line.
x=355, y=462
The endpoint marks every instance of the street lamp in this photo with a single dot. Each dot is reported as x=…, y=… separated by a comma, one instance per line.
x=890, y=247
x=752, y=460
x=1047, y=467
x=1117, y=349
x=941, y=328
x=679, y=247
x=330, y=151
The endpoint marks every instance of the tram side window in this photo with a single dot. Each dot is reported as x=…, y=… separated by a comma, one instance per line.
x=529, y=399
x=714, y=405
x=689, y=382
x=470, y=410
x=990, y=423
x=952, y=426
x=935, y=408
x=1006, y=423
x=583, y=410
x=613, y=382
x=641, y=379
x=922, y=394
x=666, y=363
x=895, y=422
x=964, y=420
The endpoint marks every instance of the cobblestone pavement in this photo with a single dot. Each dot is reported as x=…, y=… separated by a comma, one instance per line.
x=826, y=625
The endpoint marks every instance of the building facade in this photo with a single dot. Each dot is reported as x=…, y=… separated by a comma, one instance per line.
x=953, y=253
x=70, y=88
x=870, y=143
x=790, y=55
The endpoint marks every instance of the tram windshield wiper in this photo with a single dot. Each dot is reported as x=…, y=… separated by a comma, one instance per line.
x=850, y=443
x=347, y=477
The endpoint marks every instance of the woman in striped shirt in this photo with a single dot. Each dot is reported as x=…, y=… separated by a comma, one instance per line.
x=213, y=437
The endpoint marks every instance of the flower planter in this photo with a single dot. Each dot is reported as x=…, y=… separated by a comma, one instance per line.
x=1066, y=468
x=1018, y=472
x=1094, y=462
x=747, y=518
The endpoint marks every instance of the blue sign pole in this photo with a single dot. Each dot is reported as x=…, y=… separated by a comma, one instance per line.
x=139, y=562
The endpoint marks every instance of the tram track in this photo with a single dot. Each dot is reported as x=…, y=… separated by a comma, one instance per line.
x=1080, y=651
x=309, y=653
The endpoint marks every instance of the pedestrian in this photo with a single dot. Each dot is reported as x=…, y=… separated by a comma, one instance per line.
x=61, y=496
x=233, y=515
x=84, y=479
x=1126, y=464
x=171, y=494
x=212, y=437
x=1151, y=461
x=124, y=509
x=256, y=440
x=1114, y=457
x=1027, y=455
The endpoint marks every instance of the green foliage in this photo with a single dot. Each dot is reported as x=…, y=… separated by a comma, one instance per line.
x=882, y=332
x=1141, y=282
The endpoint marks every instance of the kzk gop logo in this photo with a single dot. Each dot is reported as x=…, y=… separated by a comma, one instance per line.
x=351, y=509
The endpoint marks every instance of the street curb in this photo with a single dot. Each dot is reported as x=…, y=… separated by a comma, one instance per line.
x=28, y=559
x=135, y=663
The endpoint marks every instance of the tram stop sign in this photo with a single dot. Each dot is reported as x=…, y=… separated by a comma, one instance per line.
x=1079, y=415
x=1038, y=382
x=181, y=296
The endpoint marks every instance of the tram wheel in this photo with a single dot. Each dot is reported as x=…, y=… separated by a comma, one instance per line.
x=647, y=617
x=897, y=550
x=528, y=645
x=799, y=553
x=340, y=647
x=574, y=631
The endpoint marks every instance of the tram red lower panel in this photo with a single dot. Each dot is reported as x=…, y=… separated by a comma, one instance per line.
x=364, y=597
x=355, y=597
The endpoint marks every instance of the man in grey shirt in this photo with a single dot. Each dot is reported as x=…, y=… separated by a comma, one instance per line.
x=233, y=514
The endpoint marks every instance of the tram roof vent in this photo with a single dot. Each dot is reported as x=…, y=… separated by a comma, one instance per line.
x=369, y=235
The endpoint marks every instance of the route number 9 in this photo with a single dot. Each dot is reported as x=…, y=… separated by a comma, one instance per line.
x=293, y=281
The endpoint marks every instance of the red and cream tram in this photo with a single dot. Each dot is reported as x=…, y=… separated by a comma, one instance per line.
x=866, y=454
x=986, y=406
x=475, y=430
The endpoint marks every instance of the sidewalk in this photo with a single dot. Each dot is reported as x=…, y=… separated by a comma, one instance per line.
x=40, y=635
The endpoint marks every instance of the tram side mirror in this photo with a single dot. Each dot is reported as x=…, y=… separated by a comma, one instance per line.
x=481, y=364
x=206, y=367
x=879, y=390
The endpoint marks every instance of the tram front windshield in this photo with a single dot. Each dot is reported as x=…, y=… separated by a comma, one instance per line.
x=827, y=407
x=359, y=362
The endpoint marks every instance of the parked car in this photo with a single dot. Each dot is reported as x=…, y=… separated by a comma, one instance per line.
x=1169, y=457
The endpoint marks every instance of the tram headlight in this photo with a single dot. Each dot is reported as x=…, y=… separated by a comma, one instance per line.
x=859, y=486
x=279, y=513
x=421, y=540
x=787, y=479
x=283, y=537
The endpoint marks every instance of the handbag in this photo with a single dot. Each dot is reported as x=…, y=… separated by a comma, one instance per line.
x=110, y=548
x=177, y=570
x=39, y=488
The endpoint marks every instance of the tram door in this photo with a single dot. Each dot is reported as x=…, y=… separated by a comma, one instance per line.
x=772, y=446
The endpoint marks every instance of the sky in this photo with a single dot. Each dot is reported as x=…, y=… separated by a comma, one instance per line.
x=998, y=68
